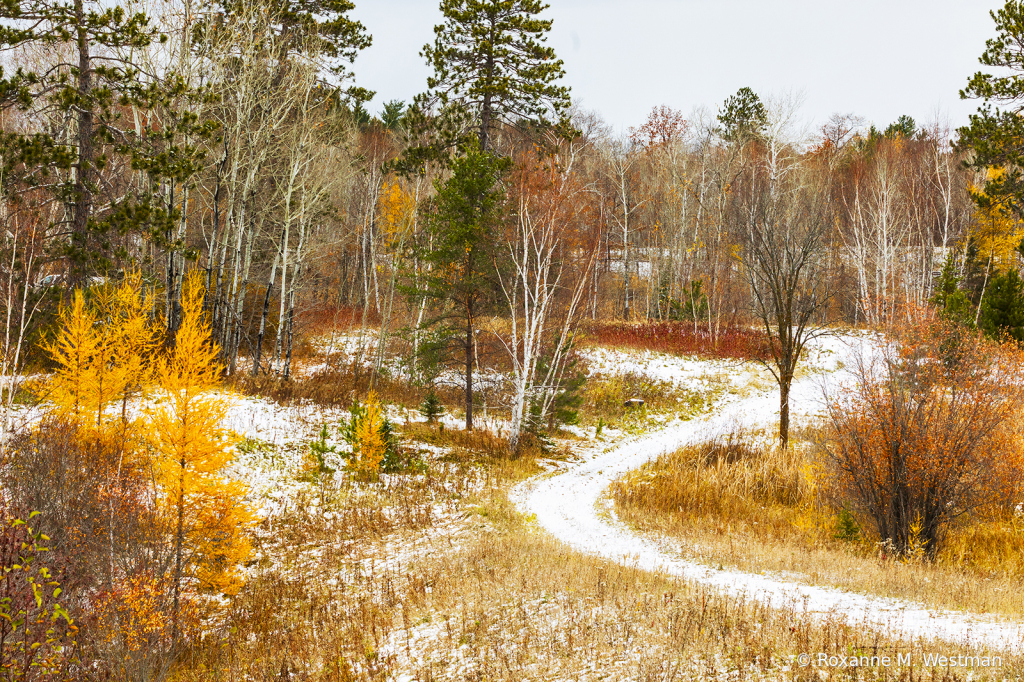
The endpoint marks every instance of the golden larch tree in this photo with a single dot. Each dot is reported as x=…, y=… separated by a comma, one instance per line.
x=206, y=515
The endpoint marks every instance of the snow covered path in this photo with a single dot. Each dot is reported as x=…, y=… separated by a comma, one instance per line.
x=566, y=504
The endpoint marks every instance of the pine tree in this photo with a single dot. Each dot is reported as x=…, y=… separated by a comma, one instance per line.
x=469, y=208
x=952, y=303
x=994, y=134
x=322, y=27
x=1002, y=309
x=742, y=115
x=431, y=407
x=490, y=57
x=96, y=96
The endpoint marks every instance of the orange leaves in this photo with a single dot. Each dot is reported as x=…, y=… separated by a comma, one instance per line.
x=664, y=126
x=136, y=609
x=926, y=437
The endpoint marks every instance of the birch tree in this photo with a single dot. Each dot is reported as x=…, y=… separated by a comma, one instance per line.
x=548, y=269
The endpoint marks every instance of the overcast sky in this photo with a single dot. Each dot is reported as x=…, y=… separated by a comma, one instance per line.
x=874, y=58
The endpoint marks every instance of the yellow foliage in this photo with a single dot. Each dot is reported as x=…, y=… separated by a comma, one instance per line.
x=996, y=231
x=397, y=209
x=369, y=446
x=108, y=350
x=206, y=513
x=103, y=352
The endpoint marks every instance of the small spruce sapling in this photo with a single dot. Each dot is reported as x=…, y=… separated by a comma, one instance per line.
x=318, y=451
x=431, y=407
x=846, y=527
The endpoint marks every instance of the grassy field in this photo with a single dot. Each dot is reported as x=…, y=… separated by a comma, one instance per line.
x=433, y=575
x=436, y=577
x=750, y=506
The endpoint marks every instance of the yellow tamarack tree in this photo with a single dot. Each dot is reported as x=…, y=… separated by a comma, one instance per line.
x=206, y=515
x=103, y=352
x=369, y=446
x=134, y=334
x=77, y=352
x=108, y=351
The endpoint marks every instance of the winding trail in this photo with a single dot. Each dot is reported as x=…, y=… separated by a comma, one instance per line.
x=569, y=504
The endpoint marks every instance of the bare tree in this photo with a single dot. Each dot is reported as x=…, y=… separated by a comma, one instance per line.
x=786, y=265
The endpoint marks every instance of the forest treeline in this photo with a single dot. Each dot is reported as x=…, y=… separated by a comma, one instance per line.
x=233, y=139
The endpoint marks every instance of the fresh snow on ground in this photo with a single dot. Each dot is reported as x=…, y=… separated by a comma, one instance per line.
x=571, y=506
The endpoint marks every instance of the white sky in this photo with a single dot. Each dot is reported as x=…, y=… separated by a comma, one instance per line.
x=874, y=58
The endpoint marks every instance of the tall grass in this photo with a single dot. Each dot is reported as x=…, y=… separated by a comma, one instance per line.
x=728, y=478
x=757, y=508
x=737, y=343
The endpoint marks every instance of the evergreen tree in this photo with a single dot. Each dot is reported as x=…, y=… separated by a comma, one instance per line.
x=468, y=209
x=568, y=392
x=392, y=114
x=490, y=58
x=953, y=304
x=743, y=115
x=904, y=128
x=90, y=101
x=994, y=134
x=432, y=408
x=1002, y=310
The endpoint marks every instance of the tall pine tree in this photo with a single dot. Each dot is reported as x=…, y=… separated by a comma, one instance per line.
x=468, y=209
x=97, y=103
x=490, y=58
x=996, y=136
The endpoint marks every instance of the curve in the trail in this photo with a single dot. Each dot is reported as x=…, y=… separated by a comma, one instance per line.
x=566, y=504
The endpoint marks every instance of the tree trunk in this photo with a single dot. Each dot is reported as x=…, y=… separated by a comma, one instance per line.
x=263, y=318
x=179, y=539
x=469, y=367
x=784, y=387
x=83, y=171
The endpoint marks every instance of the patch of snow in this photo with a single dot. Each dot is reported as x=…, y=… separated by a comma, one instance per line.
x=566, y=504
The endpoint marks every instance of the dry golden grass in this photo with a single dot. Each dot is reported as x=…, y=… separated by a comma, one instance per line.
x=436, y=577
x=757, y=508
x=604, y=400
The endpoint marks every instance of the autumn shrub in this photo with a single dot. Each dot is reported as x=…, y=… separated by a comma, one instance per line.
x=37, y=635
x=131, y=622
x=683, y=338
x=95, y=503
x=923, y=437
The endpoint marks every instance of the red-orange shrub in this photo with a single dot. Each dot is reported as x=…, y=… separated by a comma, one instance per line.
x=924, y=436
x=736, y=343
